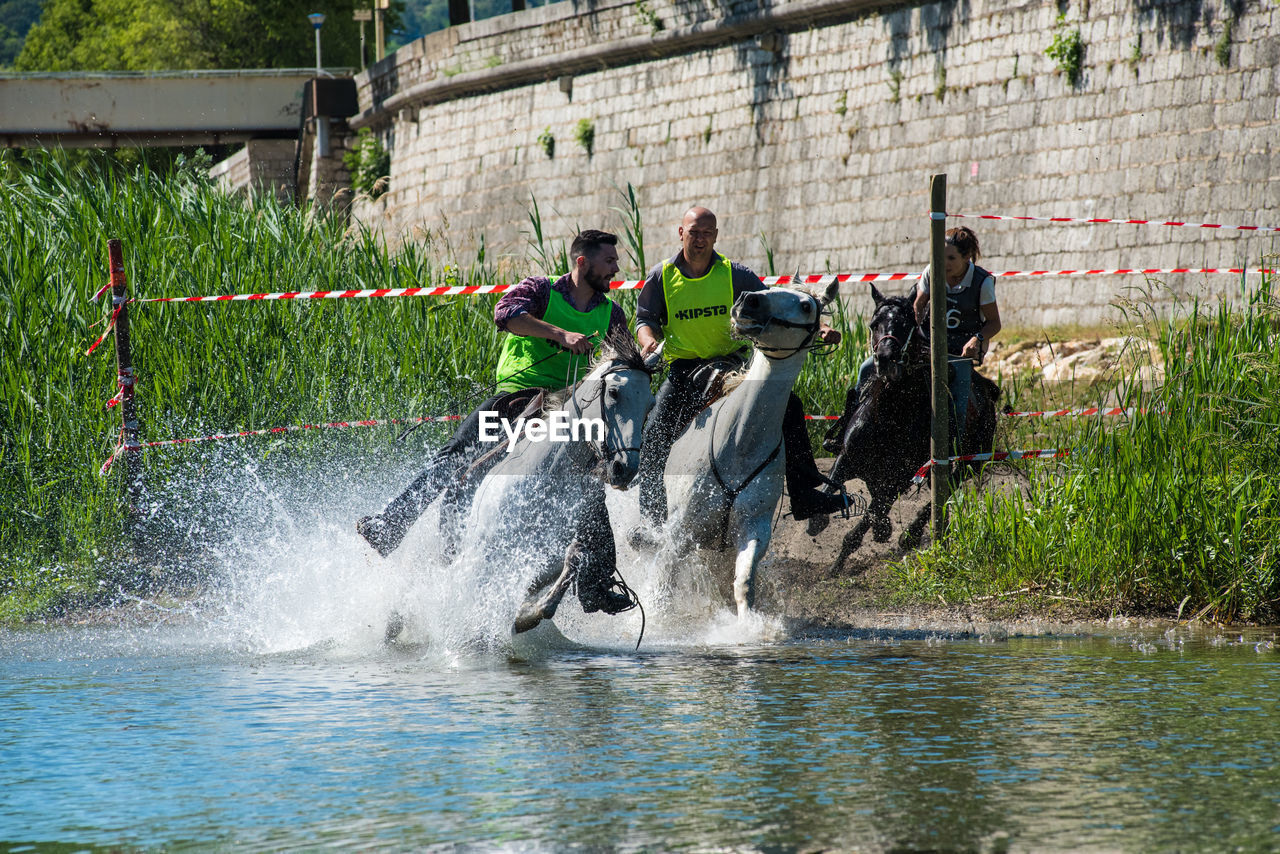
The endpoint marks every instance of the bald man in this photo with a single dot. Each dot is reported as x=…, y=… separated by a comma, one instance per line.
x=685, y=302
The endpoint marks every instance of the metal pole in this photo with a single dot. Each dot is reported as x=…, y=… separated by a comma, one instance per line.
x=940, y=482
x=319, y=67
x=129, y=430
x=379, y=35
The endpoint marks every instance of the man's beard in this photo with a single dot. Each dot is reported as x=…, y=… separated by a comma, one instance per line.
x=599, y=284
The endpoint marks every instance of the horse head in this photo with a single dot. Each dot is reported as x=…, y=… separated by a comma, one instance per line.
x=619, y=394
x=780, y=321
x=895, y=336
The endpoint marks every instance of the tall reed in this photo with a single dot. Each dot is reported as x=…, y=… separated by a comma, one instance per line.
x=1175, y=511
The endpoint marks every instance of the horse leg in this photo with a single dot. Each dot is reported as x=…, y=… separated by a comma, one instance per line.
x=878, y=513
x=752, y=541
x=537, y=608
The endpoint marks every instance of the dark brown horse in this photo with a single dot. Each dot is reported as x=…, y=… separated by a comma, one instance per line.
x=886, y=439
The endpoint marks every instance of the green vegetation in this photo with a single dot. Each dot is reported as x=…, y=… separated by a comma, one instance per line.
x=585, y=134
x=201, y=368
x=16, y=18
x=1222, y=47
x=1176, y=511
x=1135, y=54
x=649, y=17
x=842, y=104
x=141, y=35
x=895, y=85
x=368, y=163
x=1067, y=50
x=547, y=142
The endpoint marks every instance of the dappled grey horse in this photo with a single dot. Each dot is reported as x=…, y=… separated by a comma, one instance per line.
x=540, y=512
x=725, y=474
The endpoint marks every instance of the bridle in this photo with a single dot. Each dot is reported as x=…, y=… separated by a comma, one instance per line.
x=603, y=450
x=811, y=328
x=904, y=352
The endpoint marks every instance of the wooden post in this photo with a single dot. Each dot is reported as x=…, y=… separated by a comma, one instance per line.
x=940, y=482
x=129, y=430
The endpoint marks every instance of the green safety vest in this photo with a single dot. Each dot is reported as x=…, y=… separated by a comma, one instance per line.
x=519, y=366
x=698, y=312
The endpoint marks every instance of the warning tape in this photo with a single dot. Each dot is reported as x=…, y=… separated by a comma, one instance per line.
x=1060, y=413
x=214, y=437
x=1121, y=221
x=633, y=284
x=372, y=422
x=1037, y=454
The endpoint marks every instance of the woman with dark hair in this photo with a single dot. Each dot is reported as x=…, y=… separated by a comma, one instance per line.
x=973, y=319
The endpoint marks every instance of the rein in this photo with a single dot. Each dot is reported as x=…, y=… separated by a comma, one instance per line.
x=715, y=472
x=812, y=327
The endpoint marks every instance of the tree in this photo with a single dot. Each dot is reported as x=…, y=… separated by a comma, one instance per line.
x=16, y=18
x=145, y=35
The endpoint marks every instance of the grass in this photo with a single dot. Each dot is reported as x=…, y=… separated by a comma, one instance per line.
x=1177, y=511
x=1173, y=512
x=207, y=368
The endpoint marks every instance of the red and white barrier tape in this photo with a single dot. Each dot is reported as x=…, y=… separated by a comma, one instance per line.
x=1038, y=454
x=1061, y=413
x=1120, y=221
x=632, y=284
x=125, y=381
x=214, y=437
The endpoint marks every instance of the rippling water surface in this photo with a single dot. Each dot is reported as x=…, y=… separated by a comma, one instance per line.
x=893, y=739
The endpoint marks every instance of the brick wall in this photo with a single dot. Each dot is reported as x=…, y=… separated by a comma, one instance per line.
x=818, y=125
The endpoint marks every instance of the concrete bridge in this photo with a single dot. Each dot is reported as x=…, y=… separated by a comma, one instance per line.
x=125, y=109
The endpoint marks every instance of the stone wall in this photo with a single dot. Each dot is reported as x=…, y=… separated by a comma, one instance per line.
x=263, y=165
x=817, y=124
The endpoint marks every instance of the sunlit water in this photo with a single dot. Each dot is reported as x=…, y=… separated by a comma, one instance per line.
x=272, y=716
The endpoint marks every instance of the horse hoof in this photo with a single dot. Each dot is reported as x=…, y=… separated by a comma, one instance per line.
x=530, y=615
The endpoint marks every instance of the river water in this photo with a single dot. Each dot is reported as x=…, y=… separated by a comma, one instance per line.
x=181, y=735
x=270, y=715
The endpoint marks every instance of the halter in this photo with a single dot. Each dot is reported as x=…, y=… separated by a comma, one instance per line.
x=812, y=327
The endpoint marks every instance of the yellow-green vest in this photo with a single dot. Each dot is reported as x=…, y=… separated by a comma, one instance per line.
x=531, y=362
x=698, y=312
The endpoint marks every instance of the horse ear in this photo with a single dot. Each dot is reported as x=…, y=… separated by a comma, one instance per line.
x=795, y=278
x=877, y=296
x=833, y=288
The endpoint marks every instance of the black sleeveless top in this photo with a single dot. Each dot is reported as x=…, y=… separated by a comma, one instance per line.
x=964, y=312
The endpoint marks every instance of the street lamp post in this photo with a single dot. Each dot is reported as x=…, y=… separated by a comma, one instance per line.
x=317, y=20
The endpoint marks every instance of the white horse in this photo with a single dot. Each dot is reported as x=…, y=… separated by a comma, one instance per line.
x=540, y=511
x=724, y=476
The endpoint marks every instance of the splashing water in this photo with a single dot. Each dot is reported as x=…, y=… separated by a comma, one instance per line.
x=288, y=572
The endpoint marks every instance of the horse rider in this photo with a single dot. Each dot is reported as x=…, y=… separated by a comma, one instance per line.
x=973, y=319
x=553, y=327
x=685, y=303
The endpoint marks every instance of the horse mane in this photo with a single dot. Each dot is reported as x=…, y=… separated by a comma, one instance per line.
x=623, y=348
x=618, y=347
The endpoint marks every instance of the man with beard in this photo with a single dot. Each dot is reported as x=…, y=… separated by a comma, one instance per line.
x=553, y=328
